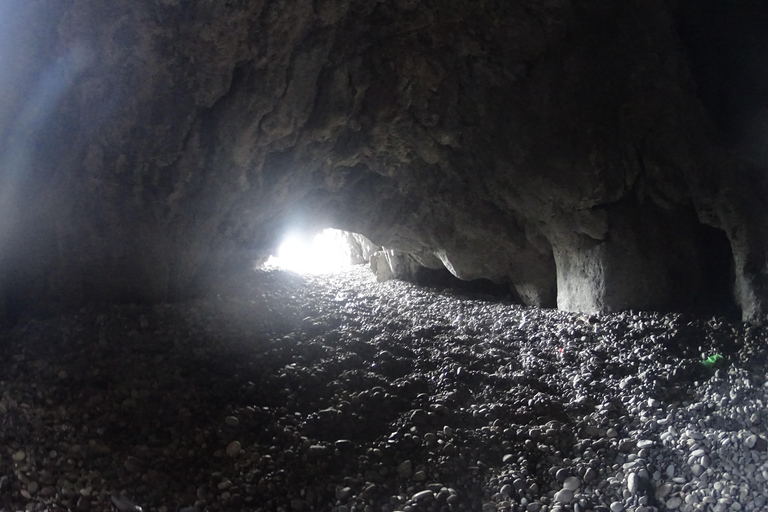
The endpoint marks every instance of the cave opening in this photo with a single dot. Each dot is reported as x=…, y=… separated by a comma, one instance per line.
x=327, y=251
x=330, y=252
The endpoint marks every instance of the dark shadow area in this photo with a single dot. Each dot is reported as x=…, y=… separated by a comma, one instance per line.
x=716, y=297
x=476, y=288
x=726, y=45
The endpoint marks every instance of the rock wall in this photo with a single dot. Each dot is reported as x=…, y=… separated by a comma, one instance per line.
x=568, y=148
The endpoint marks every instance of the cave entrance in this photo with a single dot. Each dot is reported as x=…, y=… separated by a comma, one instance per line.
x=326, y=252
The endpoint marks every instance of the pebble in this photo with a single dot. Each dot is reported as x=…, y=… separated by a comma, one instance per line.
x=564, y=496
x=633, y=483
x=571, y=483
x=233, y=449
x=423, y=496
x=673, y=502
x=123, y=504
x=343, y=493
x=132, y=465
x=708, y=434
x=419, y=417
x=663, y=490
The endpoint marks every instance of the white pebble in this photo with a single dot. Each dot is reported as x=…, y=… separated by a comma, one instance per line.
x=571, y=483
x=564, y=496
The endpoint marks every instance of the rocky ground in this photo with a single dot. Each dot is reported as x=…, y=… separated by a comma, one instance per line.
x=342, y=394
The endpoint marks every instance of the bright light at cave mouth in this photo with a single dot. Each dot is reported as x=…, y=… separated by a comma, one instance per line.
x=327, y=252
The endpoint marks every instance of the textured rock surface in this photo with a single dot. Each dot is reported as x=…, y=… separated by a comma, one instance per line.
x=569, y=148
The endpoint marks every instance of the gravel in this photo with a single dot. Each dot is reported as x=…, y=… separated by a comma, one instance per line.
x=338, y=393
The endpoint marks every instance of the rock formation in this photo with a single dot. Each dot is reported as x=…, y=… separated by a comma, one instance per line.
x=596, y=156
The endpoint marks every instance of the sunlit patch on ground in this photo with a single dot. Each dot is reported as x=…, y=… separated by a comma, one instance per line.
x=326, y=252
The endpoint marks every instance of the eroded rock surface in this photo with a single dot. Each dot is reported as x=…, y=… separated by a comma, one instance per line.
x=566, y=148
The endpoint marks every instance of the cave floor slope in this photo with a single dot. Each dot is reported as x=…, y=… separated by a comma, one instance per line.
x=338, y=393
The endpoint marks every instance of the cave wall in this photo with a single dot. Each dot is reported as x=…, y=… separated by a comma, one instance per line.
x=565, y=147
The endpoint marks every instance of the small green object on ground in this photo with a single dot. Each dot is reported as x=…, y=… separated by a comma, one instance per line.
x=712, y=360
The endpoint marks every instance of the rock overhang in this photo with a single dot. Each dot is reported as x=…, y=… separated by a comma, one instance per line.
x=562, y=148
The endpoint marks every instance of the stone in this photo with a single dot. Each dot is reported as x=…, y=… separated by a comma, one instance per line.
x=123, y=504
x=343, y=493
x=571, y=483
x=663, y=490
x=760, y=444
x=132, y=464
x=423, y=496
x=233, y=449
x=405, y=469
x=564, y=496
x=673, y=502
x=419, y=417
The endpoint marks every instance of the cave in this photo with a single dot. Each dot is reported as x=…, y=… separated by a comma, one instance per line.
x=568, y=151
x=558, y=219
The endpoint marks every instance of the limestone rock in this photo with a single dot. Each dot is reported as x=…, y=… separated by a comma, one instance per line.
x=574, y=152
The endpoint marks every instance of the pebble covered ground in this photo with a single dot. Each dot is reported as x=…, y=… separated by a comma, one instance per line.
x=338, y=393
